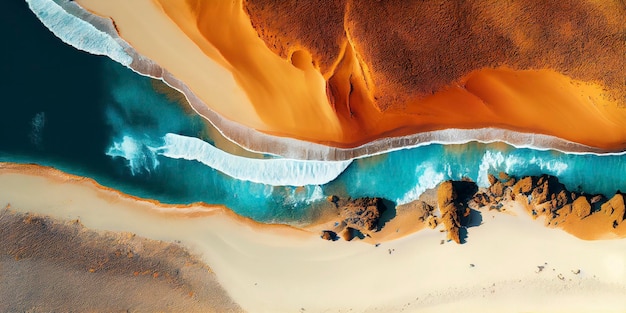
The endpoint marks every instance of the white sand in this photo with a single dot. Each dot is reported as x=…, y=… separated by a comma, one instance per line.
x=278, y=269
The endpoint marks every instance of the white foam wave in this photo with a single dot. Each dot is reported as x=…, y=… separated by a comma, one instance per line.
x=77, y=32
x=497, y=161
x=275, y=172
x=428, y=178
x=139, y=156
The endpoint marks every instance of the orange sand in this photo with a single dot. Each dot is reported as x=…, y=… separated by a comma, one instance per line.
x=234, y=73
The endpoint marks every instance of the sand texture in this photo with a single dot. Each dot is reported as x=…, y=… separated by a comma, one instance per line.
x=53, y=266
x=509, y=263
x=367, y=77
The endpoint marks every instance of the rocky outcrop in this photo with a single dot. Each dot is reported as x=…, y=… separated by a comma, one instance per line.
x=329, y=235
x=581, y=207
x=452, y=202
x=362, y=214
x=546, y=197
x=615, y=209
x=446, y=197
x=359, y=217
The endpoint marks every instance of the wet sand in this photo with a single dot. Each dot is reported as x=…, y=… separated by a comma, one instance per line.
x=278, y=268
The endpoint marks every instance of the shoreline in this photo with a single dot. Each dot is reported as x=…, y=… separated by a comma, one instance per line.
x=276, y=268
x=259, y=142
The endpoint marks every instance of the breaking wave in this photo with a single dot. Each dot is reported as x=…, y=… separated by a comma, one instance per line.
x=76, y=32
x=275, y=172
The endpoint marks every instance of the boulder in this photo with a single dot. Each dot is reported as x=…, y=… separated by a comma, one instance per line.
x=581, y=207
x=524, y=185
x=615, y=208
x=504, y=176
x=492, y=179
x=329, y=235
x=497, y=189
x=347, y=234
x=363, y=214
x=446, y=198
x=445, y=194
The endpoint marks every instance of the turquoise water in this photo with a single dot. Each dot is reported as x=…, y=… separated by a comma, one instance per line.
x=90, y=116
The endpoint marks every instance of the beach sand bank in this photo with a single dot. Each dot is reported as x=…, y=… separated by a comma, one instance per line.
x=510, y=263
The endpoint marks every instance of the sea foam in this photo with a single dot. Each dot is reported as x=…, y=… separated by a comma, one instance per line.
x=275, y=172
x=76, y=32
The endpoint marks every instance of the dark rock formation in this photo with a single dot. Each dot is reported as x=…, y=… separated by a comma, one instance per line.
x=329, y=235
x=615, y=209
x=452, y=198
x=524, y=186
x=363, y=214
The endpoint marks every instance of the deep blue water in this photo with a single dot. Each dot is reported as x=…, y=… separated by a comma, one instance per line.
x=89, y=116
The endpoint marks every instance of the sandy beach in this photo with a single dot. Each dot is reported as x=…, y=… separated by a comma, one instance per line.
x=257, y=88
x=510, y=262
x=454, y=73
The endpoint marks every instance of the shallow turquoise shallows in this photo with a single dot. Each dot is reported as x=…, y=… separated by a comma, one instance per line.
x=90, y=116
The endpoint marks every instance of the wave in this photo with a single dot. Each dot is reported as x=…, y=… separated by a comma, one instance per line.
x=141, y=155
x=275, y=172
x=76, y=32
x=93, y=34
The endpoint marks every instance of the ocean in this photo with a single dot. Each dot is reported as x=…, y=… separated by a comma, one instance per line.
x=90, y=116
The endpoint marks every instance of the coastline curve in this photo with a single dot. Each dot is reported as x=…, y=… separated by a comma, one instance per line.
x=256, y=141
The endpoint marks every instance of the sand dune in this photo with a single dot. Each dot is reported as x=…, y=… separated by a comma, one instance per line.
x=510, y=263
x=275, y=73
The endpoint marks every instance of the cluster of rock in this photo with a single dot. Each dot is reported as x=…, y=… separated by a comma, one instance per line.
x=358, y=218
x=547, y=197
x=543, y=195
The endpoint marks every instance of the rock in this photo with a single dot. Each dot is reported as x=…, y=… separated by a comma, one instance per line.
x=597, y=198
x=524, y=186
x=615, y=208
x=432, y=222
x=510, y=182
x=581, y=207
x=480, y=199
x=492, y=179
x=504, y=176
x=453, y=234
x=565, y=210
x=540, y=194
x=347, y=234
x=548, y=188
x=497, y=189
x=329, y=235
x=363, y=214
x=446, y=197
x=445, y=194
x=333, y=199
x=562, y=198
